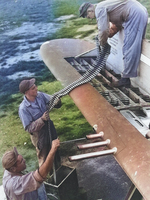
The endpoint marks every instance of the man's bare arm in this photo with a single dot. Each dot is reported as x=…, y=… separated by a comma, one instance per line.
x=48, y=164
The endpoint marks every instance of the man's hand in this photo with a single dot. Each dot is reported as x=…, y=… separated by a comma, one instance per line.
x=45, y=116
x=57, y=103
x=48, y=164
x=55, y=144
x=113, y=29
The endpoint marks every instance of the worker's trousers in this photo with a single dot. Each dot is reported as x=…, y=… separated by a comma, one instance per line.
x=134, y=32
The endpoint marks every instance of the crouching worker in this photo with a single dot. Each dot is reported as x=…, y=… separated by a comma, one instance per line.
x=19, y=186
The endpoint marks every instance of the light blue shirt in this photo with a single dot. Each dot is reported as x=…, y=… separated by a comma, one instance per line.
x=31, y=111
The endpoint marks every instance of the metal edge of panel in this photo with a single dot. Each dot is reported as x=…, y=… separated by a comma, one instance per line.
x=54, y=53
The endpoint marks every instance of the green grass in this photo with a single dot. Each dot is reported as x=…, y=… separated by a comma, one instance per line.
x=148, y=32
x=70, y=28
x=65, y=7
x=147, y=5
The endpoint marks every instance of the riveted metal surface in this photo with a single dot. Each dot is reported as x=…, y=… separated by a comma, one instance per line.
x=133, y=150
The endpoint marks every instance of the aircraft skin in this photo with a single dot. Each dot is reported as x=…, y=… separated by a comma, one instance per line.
x=133, y=150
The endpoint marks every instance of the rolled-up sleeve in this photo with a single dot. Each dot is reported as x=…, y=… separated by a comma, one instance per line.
x=35, y=126
x=28, y=124
x=102, y=23
x=38, y=177
x=25, y=184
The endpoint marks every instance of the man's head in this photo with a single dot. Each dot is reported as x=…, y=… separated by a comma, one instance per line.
x=25, y=85
x=87, y=10
x=13, y=162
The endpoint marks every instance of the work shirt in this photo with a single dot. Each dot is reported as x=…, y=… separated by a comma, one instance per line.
x=41, y=132
x=31, y=111
x=23, y=187
x=30, y=114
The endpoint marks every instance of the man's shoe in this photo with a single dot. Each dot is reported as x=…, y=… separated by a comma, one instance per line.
x=123, y=82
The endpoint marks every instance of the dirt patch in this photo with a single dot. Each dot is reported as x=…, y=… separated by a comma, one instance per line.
x=87, y=28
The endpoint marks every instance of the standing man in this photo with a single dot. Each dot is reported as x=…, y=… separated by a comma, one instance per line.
x=33, y=112
x=112, y=16
x=20, y=186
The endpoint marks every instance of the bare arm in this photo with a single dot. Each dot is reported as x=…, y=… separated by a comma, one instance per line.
x=113, y=29
x=48, y=164
x=102, y=18
x=58, y=103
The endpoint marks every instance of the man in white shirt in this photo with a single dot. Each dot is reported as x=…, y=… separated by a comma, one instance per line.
x=112, y=16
